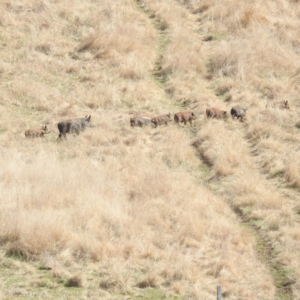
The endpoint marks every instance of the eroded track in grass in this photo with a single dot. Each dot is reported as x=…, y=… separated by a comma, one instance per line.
x=158, y=75
x=268, y=249
x=264, y=245
x=284, y=278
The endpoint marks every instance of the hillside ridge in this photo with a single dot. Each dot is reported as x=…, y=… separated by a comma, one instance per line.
x=122, y=212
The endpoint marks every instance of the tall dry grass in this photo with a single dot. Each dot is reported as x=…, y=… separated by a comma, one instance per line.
x=122, y=205
x=143, y=204
x=250, y=61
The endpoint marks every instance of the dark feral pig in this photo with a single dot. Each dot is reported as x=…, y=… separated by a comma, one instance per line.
x=215, y=113
x=279, y=104
x=162, y=119
x=184, y=117
x=36, y=132
x=137, y=121
x=73, y=126
x=238, y=112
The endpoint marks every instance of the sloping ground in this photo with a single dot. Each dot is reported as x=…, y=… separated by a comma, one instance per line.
x=167, y=213
x=269, y=135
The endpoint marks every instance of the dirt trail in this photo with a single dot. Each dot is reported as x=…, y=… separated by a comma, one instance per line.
x=265, y=243
x=267, y=247
x=157, y=73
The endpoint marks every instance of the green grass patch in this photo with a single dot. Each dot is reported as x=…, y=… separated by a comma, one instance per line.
x=3, y=130
x=257, y=223
x=155, y=294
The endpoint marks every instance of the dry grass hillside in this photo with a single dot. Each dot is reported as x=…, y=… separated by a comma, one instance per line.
x=121, y=212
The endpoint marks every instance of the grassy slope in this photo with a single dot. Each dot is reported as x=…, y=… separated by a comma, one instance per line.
x=160, y=213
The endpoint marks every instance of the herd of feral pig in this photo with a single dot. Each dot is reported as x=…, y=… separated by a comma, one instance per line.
x=64, y=127
x=79, y=124
x=187, y=116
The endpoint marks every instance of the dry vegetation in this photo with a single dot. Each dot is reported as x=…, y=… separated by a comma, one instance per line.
x=166, y=213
